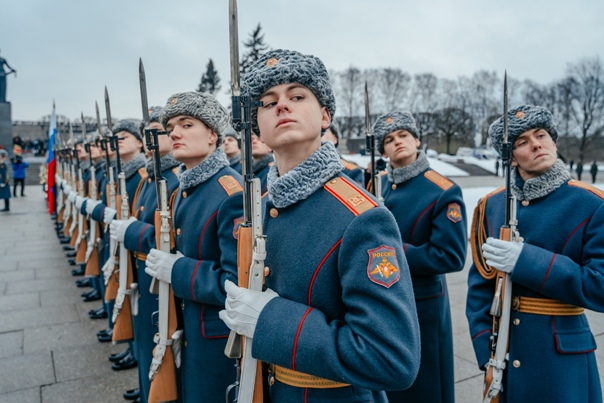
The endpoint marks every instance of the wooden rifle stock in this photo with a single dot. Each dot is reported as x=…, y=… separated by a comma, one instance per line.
x=113, y=283
x=122, y=325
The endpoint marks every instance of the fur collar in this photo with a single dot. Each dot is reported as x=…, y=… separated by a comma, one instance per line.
x=302, y=181
x=167, y=162
x=131, y=167
x=84, y=165
x=540, y=186
x=262, y=163
x=203, y=171
x=236, y=159
x=403, y=174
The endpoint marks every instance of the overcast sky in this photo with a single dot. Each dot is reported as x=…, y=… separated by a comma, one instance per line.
x=69, y=50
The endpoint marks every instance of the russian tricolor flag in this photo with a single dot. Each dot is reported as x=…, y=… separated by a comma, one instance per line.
x=51, y=162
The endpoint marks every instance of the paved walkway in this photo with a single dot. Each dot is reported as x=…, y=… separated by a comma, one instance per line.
x=48, y=346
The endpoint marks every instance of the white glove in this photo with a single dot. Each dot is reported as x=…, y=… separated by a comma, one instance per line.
x=159, y=264
x=72, y=196
x=176, y=346
x=501, y=255
x=108, y=269
x=66, y=189
x=117, y=228
x=79, y=201
x=243, y=307
x=2, y=185
x=109, y=215
x=90, y=205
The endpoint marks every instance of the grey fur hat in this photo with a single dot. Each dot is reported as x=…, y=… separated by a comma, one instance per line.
x=132, y=126
x=155, y=114
x=287, y=66
x=199, y=105
x=390, y=122
x=231, y=132
x=521, y=119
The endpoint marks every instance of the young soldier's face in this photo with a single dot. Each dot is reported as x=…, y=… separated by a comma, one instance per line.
x=95, y=152
x=259, y=149
x=129, y=145
x=329, y=136
x=291, y=115
x=534, y=153
x=401, y=147
x=192, y=140
x=82, y=155
x=230, y=147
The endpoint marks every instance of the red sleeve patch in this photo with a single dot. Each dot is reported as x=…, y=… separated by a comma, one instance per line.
x=383, y=266
x=454, y=212
x=236, y=225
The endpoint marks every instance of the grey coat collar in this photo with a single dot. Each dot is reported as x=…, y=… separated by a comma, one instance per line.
x=131, y=167
x=262, y=163
x=100, y=165
x=235, y=159
x=302, y=181
x=167, y=162
x=203, y=171
x=540, y=186
x=403, y=174
x=84, y=165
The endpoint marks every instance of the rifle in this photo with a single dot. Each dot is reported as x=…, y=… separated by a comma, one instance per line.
x=74, y=185
x=163, y=369
x=251, y=250
x=92, y=254
x=375, y=185
x=81, y=243
x=122, y=311
x=114, y=199
x=61, y=174
x=502, y=300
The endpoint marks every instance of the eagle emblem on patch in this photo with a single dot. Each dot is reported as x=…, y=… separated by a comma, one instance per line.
x=383, y=266
x=272, y=61
x=519, y=114
x=454, y=212
x=236, y=225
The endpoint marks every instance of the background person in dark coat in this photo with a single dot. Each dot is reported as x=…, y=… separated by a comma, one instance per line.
x=594, y=171
x=19, y=167
x=4, y=185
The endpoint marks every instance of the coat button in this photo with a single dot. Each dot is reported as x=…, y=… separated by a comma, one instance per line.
x=525, y=203
x=142, y=208
x=267, y=271
x=516, y=321
x=177, y=231
x=516, y=363
x=184, y=194
x=274, y=212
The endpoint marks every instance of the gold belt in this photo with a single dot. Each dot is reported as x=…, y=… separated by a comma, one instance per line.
x=140, y=256
x=302, y=380
x=544, y=306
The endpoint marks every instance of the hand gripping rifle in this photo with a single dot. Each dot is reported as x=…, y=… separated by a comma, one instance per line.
x=163, y=369
x=376, y=166
x=122, y=311
x=251, y=250
x=502, y=300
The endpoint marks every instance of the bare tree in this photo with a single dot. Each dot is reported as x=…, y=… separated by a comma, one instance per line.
x=351, y=84
x=393, y=87
x=586, y=81
x=255, y=48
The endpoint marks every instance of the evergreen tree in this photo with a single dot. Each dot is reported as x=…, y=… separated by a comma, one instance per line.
x=210, y=81
x=256, y=47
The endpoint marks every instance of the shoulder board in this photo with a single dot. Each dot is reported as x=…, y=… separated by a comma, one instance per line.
x=349, y=195
x=270, y=164
x=349, y=165
x=494, y=192
x=175, y=171
x=438, y=179
x=587, y=187
x=230, y=184
x=143, y=172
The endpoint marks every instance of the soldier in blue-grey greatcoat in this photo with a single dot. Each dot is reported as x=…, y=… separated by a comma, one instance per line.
x=431, y=216
x=231, y=148
x=351, y=169
x=207, y=213
x=4, y=184
x=556, y=272
x=138, y=235
x=338, y=320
